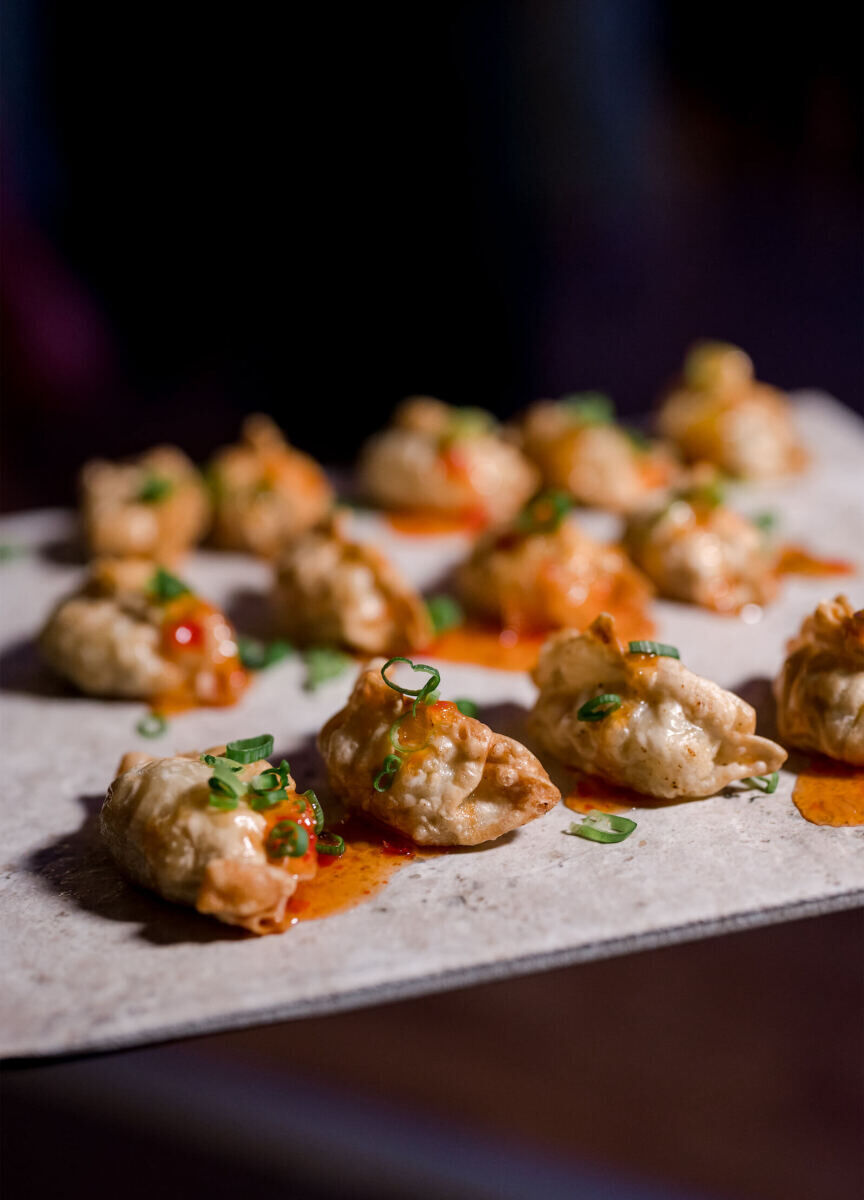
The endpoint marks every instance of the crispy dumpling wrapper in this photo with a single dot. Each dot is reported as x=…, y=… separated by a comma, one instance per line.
x=444, y=460
x=161, y=830
x=719, y=413
x=332, y=591
x=155, y=506
x=820, y=688
x=675, y=734
x=266, y=493
x=466, y=784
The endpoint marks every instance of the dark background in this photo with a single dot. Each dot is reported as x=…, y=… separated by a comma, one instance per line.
x=315, y=210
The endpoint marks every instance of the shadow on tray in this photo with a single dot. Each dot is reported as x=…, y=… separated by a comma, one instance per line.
x=22, y=670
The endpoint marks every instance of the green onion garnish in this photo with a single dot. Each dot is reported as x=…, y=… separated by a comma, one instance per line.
x=287, y=840
x=165, y=586
x=398, y=745
x=467, y=707
x=316, y=808
x=420, y=693
x=224, y=803
x=330, y=843
x=766, y=521
x=267, y=781
x=323, y=663
x=588, y=408
x=468, y=423
x=599, y=707
x=152, y=726
x=444, y=613
x=154, y=488
x=383, y=781
x=224, y=781
x=544, y=513
x=709, y=495
x=267, y=800
x=602, y=827
x=249, y=750
x=764, y=783
x=257, y=656
x=637, y=438
x=659, y=649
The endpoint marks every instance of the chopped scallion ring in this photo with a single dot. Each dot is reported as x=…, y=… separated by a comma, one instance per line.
x=258, y=656
x=287, y=840
x=267, y=781
x=659, y=649
x=602, y=827
x=764, y=783
x=398, y=745
x=444, y=613
x=224, y=803
x=164, y=586
x=154, y=488
x=467, y=707
x=383, y=781
x=421, y=693
x=249, y=750
x=766, y=521
x=316, y=808
x=266, y=800
x=599, y=707
x=152, y=726
x=544, y=513
x=330, y=843
x=224, y=780
x=323, y=663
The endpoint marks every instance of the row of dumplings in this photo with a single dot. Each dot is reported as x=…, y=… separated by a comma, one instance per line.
x=228, y=832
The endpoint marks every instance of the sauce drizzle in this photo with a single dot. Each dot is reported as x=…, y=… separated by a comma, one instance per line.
x=830, y=793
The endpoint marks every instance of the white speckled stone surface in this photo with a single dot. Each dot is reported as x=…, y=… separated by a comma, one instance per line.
x=91, y=963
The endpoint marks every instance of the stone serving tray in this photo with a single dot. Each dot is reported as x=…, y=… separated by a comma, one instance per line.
x=91, y=963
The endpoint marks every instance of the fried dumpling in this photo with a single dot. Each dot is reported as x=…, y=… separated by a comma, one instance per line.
x=136, y=631
x=436, y=776
x=154, y=506
x=330, y=590
x=580, y=450
x=820, y=688
x=265, y=492
x=162, y=827
x=543, y=572
x=697, y=550
x=447, y=461
x=719, y=413
x=659, y=728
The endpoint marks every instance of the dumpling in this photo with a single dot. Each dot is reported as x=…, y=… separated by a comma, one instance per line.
x=169, y=832
x=697, y=550
x=542, y=572
x=438, y=777
x=447, y=461
x=155, y=506
x=265, y=492
x=720, y=414
x=820, y=689
x=579, y=449
x=334, y=591
x=134, y=630
x=660, y=729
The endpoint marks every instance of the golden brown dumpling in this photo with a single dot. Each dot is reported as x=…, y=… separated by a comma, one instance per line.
x=673, y=733
x=542, y=572
x=720, y=414
x=695, y=549
x=337, y=592
x=136, y=631
x=463, y=784
x=164, y=832
x=580, y=450
x=265, y=492
x=155, y=506
x=820, y=689
x=447, y=461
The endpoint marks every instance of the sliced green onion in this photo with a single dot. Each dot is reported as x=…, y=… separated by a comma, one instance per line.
x=212, y=759
x=637, y=439
x=287, y=840
x=154, y=488
x=284, y=770
x=468, y=423
x=399, y=746
x=766, y=521
x=383, y=781
x=588, y=408
x=659, y=649
x=152, y=726
x=599, y=707
x=421, y=693
x=316, y=808
x=257, y=656
x=444, y=613
x=392, y=763
x=164, y=586
x=323, y=663
x=330, y=843
x=249, y=750
x=267, y=781
x=225, y=781
x=544, y=513
x=764, y=783
x=467, y=707
x=224, y=803
x=710, y=495
x=267, y=800
x=602, y=827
